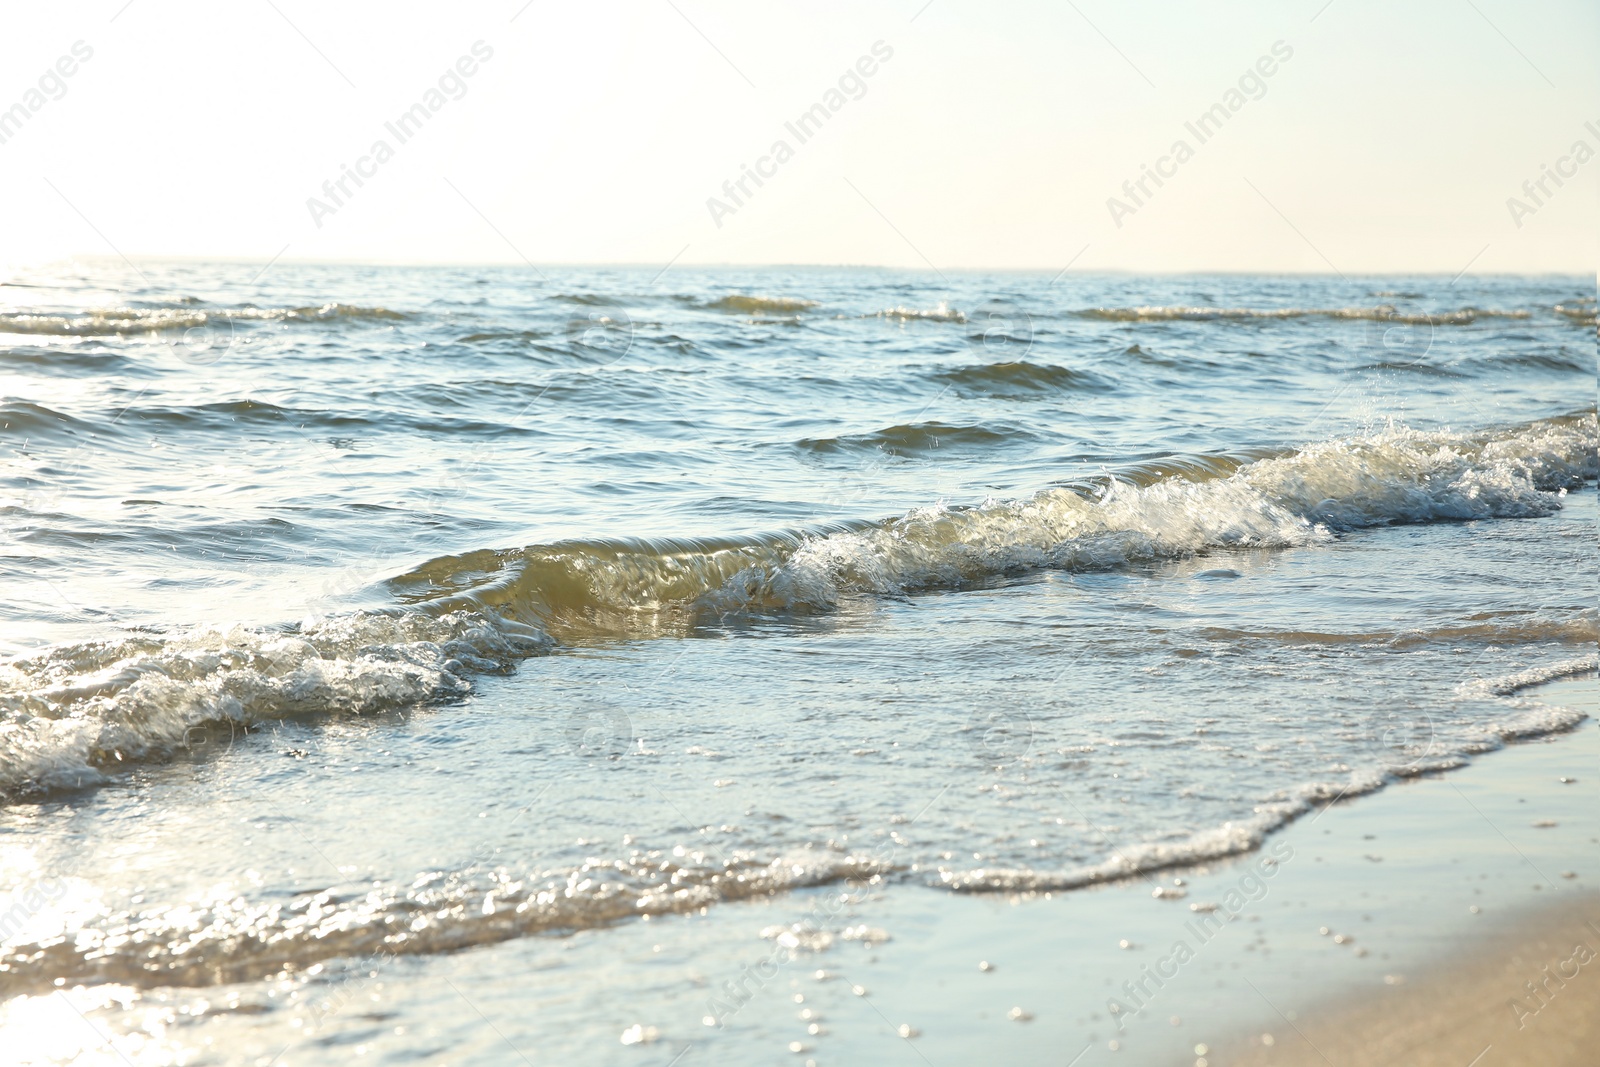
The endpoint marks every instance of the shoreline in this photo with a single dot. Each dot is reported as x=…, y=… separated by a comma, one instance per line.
x=1369, y=898
x=1524, y=991
x=1389, y=918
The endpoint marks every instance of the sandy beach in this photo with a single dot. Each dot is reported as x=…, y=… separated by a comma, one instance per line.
x=1524, y=994
x=1523, y=991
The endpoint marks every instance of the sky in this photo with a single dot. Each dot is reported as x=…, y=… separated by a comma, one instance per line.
x=958, y=135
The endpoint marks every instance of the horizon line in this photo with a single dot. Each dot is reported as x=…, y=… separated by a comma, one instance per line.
x=641, y=265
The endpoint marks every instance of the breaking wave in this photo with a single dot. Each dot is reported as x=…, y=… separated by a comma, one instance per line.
x=71, y=715
x=1158, y=510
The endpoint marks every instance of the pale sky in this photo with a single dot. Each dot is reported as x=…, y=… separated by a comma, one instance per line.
x=991, y=137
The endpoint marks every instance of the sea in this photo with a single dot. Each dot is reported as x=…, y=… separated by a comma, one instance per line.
x=358, y=619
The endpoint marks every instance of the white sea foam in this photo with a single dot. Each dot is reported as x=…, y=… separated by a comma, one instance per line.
x=232, y=938
x=1382, y=313
x=1393, y=476
x=942, y=312
x=1509, y=684
x=103, y=322
x=69, y=715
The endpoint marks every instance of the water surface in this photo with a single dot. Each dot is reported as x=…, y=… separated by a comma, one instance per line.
x=361, y=615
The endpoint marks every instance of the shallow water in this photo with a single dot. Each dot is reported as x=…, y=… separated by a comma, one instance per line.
x=359, y=612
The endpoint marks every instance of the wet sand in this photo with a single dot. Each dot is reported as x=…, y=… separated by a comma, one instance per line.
x=1527, y=991
x=1529, y=994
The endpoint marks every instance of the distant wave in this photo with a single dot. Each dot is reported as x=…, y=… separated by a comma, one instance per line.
x=1562, y=361
x=501, y=335
x=1461, y=317
x=67, y=360
x=225, y=416
x=921, y=437
x=1415, y=366
x=1514, y=629
x=941, y=313
x=1019, y=378
x=104, y=322
x=25, y=419
x=761, y=305
x=1581, y=310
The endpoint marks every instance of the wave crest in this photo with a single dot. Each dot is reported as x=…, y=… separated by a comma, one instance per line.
x=941, y=313
x=107, y=322
x=1158, y=510
x=761, y=305
x=1383, y=313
